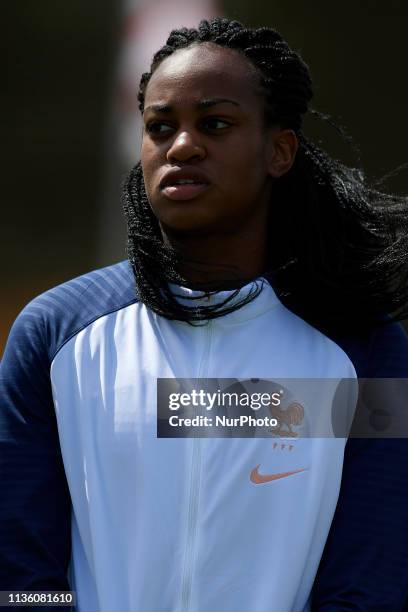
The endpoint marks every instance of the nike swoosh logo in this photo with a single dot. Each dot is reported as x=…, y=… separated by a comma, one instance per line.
x=258, y=478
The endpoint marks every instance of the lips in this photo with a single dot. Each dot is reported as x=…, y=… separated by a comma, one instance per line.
x=184, y=183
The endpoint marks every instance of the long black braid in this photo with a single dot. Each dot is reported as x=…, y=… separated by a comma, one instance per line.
x=337, y=248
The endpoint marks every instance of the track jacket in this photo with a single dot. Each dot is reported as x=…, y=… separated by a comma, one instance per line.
x=96, y=503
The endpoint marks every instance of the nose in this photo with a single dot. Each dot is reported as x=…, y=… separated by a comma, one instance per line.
x=185, y=147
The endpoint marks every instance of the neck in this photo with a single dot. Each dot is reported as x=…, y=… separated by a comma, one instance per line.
x=219, y=260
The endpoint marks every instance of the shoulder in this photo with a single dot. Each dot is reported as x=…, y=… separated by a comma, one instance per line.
x=321, y=350
x=377, y=352
x=326, y=353
x=52, y=318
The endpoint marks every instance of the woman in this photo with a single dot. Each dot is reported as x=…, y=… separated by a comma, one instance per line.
x=237, y=225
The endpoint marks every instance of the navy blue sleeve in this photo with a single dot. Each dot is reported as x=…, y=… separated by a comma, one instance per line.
x=364, y=566
x=35, y=505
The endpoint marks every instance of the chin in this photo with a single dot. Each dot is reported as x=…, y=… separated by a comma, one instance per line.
x=186, y=217
x=188, y=224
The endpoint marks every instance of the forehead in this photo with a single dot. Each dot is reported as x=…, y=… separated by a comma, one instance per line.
x=204, y=70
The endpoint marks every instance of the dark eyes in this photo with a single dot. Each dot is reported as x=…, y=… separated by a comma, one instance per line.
x=214, y=123
x=157, y=127
x=161, y=128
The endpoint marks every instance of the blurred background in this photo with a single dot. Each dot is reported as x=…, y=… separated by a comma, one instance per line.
x=71, y=126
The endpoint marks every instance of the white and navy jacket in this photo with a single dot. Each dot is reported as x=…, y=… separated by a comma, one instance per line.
x=94, y=502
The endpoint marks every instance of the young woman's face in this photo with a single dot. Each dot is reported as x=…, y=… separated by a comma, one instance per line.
x=205, y=150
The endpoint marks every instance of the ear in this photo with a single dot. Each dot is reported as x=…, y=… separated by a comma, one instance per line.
x=283, y=147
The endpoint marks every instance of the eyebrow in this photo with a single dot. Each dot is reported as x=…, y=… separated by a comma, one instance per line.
x=167, y=108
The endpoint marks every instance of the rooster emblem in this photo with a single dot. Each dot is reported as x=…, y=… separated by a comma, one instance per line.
x=292, y=415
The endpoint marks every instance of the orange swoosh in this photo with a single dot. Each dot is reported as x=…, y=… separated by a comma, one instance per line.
x=258, y=478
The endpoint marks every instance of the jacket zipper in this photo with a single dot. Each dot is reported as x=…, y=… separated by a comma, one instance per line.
x=195, y=482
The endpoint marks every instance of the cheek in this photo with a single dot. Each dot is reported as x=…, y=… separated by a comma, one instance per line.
x=244, y=173
x=147, y=161
x=145, y=156
x=245, y=156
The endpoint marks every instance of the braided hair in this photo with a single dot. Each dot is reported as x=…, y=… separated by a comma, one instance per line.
x=342, y=251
